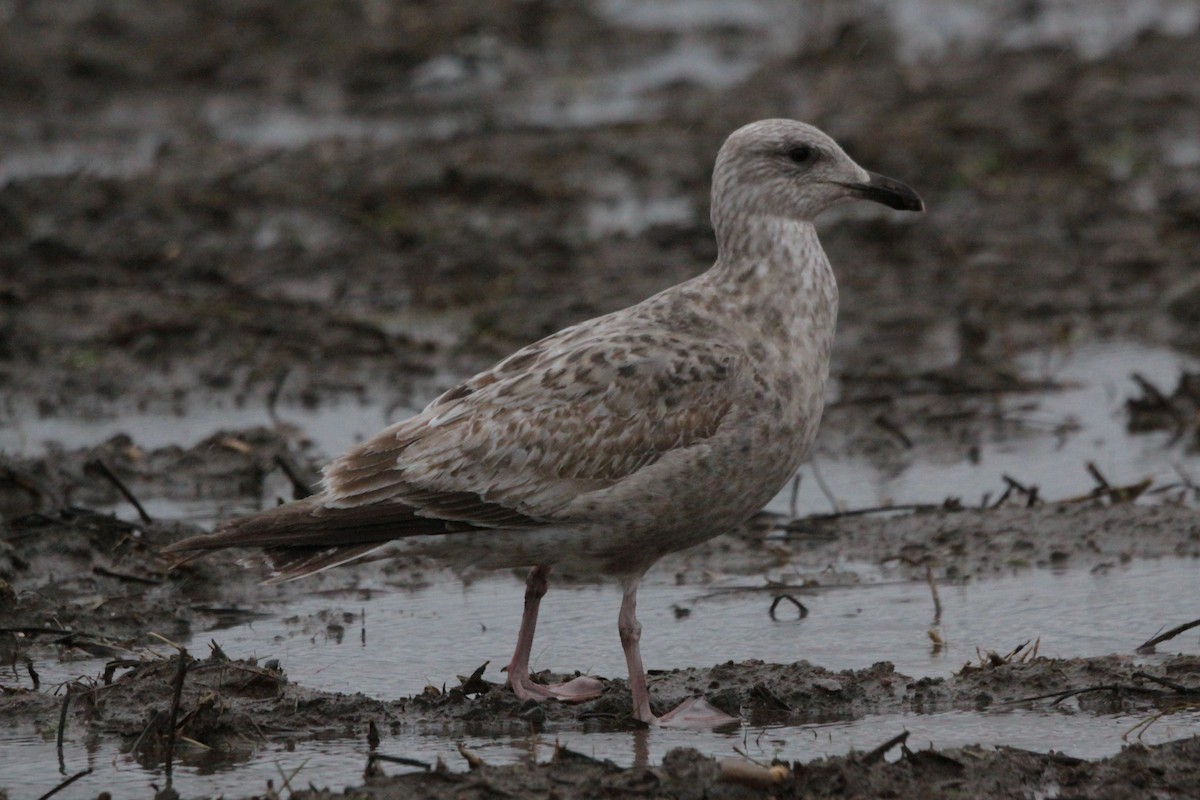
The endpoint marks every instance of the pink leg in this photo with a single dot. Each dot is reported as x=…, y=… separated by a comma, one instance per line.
x=631, y=637
x=575, y=690
x=694, y=712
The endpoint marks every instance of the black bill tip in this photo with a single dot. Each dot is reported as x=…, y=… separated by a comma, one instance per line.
x=891, y=193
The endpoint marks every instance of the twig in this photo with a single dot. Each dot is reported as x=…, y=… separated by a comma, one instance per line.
x=1172, y=685
x=287, y=779
x=372, y=735
x=1030, y=492
x=165, y=640
x=66, y=783
x=62, y=723
x=1098, y=477
x=1155, y=395
x=825, y=490
x=408, y=762
x=99, y=466
x=1186, y=478
x=1148, y=646
x=179, y=676
x=1069, y=693
x=137, y=743
x=859, y=512
x=1003, y=496
x=779, y=598
x=300, y=487
x=1143, y=725
x=123, y=576
x=879, y=752
x=937, y=601
x=894, y=430
x=273, y=393
x=472, y=758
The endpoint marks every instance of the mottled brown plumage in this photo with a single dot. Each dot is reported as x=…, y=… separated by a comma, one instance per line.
x=622, y=438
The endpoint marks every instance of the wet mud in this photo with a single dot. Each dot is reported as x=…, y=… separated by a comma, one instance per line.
x=221, y=263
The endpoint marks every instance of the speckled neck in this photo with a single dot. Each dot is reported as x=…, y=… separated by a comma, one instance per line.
x=776, y=267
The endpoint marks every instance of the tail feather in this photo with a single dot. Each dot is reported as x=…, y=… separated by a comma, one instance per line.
x=308, y=524
x=290, y=563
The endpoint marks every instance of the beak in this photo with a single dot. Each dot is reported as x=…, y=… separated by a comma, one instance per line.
x=893, y=194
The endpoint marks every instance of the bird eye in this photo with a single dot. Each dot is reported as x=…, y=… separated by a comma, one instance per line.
x=801, y=154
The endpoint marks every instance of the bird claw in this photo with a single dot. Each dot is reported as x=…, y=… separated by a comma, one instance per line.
x=576, y=690
x=695, y=713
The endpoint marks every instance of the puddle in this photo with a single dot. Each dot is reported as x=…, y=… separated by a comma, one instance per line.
x=1090, y=412
x=329, y=646
x=458, y=627
x=340, y=762
x=331, y=427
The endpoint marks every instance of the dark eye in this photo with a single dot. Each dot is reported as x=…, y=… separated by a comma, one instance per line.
x=802, y=154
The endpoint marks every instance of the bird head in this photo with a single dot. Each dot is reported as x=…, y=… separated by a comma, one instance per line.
x=784, y=168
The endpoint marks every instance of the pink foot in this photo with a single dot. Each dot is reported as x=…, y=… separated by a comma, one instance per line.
x=695, y=713
x=575, y=690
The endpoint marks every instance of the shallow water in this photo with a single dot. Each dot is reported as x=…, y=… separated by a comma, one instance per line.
x=334, y=763
x=350, y=642
x=1090, y=410
x=1074, y=613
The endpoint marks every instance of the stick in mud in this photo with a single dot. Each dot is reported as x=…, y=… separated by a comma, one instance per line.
x=880, y=751
x=1030, y=492
x=62, y=724
x=949, y=505
x=408, y=762
x=99, y=466
x=472, y=758
x=104, y=572
x=300, y=487
x=1147, y=647
x=66, y=783
x=372, y=735
x=825, y=490
x=780, y=598
x=179, y=676
x=1069, y=693
x=1179, y=688
x=894, y=429
x=937, y=601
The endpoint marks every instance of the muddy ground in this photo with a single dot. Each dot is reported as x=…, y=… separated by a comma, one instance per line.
x=290, y=206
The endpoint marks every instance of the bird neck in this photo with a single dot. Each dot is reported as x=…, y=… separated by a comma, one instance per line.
x=773, y=260
x=776, y=274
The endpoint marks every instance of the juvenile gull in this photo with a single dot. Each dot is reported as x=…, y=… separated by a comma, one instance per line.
x=615, y=441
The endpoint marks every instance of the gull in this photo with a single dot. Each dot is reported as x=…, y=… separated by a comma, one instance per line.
x=615, y=441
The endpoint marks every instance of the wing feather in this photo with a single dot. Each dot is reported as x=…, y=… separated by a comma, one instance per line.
x=564, y=416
